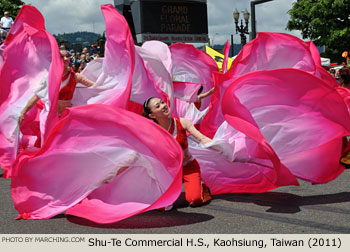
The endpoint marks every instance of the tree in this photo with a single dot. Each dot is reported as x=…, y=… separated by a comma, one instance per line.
x=11, y=6
x=101, y=41
x=325, y=22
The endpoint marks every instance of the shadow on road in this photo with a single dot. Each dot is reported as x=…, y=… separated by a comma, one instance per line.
x=288, y=203
x=152, y=219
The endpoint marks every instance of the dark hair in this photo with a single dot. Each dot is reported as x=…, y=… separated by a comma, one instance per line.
x=200, y=90
x=63, y=49
x=146, y=110
x=76, y=66
x=344, y=74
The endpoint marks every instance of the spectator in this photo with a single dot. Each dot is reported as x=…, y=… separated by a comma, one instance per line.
x=73, y=58
x=5, y=24
x=83, y=61
x=78, y=55
x=344, y=74
x=85, y=51
x=88, y=58
x=337, y=75
x=94, y=48
x=81, y=67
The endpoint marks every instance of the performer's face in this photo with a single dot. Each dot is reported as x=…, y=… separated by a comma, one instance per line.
x=158, y=108
x=65, y=57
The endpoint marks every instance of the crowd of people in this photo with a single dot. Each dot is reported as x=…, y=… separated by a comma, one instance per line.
x=79, y=60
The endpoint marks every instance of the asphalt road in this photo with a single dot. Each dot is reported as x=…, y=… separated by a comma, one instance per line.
x=307, y=209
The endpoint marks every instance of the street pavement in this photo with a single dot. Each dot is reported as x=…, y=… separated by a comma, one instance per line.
x=307, y=209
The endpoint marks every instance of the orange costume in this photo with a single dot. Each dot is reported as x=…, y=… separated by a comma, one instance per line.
x=196, y=193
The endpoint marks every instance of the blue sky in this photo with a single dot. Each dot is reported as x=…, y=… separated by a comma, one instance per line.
x=85, y=15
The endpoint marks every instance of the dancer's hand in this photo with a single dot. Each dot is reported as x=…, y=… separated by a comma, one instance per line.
x=205, y=140
x=20, y=118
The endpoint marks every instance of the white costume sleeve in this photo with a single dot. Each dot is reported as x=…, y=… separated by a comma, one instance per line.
x=42, y=89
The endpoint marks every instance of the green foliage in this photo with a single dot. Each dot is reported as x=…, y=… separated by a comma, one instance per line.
x=77, y=37
x=79, y=40
x=11, y=6
x=100, y=41
x=325, y=22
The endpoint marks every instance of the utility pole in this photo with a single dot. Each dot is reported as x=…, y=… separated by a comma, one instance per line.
x=232, y=49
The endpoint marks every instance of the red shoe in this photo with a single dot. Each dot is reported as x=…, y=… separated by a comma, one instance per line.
x=206, y=194
x=206, y=197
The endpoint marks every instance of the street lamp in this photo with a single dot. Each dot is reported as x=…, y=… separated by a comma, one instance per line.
x=240, y=28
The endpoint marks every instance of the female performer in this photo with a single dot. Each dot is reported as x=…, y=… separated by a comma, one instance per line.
x=69, y=81
x=198, y=102
x=157, y=110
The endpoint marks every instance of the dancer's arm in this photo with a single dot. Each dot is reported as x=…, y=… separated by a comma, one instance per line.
x=28, y=106
x=83, y=80
x=187, y=125
x=204, y=95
